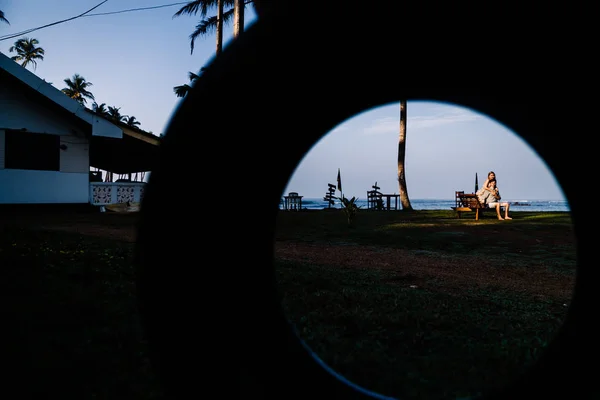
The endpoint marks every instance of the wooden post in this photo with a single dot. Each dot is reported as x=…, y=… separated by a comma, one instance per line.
x=329, y=195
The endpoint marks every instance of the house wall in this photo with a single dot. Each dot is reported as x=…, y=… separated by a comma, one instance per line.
x=18, y=186
x=19, y=109
x=76, y=157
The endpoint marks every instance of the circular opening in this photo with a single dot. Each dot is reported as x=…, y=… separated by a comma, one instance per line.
x=395, y=292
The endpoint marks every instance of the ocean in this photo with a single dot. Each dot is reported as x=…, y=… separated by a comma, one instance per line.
x=445, y=204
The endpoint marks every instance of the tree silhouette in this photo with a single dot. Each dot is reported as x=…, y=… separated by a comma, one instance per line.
x=77, y=88
x=27, y=52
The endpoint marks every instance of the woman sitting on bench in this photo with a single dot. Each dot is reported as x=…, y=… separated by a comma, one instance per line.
x=491, y=198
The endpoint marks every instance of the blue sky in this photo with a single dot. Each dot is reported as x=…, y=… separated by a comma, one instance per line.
x=446, y=145
x=134, y=59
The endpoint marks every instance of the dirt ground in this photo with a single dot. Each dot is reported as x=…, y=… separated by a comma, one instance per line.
x=454, y=274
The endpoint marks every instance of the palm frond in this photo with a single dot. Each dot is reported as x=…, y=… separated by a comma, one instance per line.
x=130, y=120
x=193, y=76
x=205, y=27
x=208, y=26
x=2, y=18
x=114, y=113
x=193, y=7
x=181, y=90
x=27, y=51
x=189, y=9
x=88, y=94
x=101, y=110
x=228, y=15
x=77, y=88
x=203, y=6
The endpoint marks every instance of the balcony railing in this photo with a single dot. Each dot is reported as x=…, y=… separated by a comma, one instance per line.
x=102, y=193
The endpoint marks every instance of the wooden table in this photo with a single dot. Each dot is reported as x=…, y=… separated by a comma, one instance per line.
x=388, y=201
x=292, y=202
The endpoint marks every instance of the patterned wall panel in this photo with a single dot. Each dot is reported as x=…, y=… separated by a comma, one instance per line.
x=101, y=194
x=125, y=194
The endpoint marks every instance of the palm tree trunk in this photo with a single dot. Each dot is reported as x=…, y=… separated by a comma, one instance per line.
x=219, y=26
x=404, y=200
x=238, y=17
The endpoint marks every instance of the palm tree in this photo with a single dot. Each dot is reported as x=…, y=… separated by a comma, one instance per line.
x=131, y=121
x=27, y=51
x=182, y=90
x=99, y=108
x=238, y=17
x=206, y=26
x=77, y=89
x=114, y=113
x=2, y=18
x=404, y=200
x=215, y=23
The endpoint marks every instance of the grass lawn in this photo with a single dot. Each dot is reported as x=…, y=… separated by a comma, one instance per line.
x=409, y=305
x=424, y=305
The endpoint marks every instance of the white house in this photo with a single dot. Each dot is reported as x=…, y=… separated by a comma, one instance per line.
x=48, y=142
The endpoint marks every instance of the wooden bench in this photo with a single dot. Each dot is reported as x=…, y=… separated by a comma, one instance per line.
x=469, y=202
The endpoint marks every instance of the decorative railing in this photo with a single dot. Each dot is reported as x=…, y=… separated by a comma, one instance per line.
x=102, y=193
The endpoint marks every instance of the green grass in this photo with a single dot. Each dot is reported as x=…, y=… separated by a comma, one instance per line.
x=529, y=233
x=72, y=303
x=415, y=338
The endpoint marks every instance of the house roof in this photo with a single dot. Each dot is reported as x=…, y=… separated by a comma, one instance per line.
x=122, y=156
x=136, y=151
x=114, y=147
x=100, y=126
x=134, y=131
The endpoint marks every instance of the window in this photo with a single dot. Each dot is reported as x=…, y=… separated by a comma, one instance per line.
x=25, y=150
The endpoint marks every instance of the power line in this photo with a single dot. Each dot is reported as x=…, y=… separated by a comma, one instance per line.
x=137, y=9
x=85, y=14
x=53, y=23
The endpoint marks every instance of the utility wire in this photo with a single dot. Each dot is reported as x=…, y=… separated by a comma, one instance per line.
x=136, y=9
x=85, y=14
x=53, y=23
